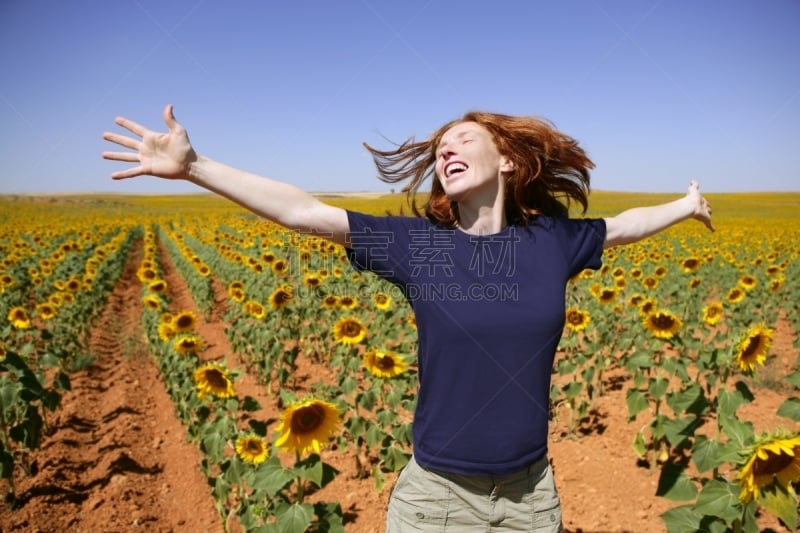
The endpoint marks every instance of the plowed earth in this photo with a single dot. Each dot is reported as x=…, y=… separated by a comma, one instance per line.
x=117, y=458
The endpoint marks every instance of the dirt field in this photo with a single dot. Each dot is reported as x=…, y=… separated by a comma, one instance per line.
x=118, y=459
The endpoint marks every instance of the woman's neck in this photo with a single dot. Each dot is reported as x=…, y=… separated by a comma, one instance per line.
x=484, y=220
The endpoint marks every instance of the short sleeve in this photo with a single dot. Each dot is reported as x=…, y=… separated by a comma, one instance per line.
x=584, y=240
x=380, y=244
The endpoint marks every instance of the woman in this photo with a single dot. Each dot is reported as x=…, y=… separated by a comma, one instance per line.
x=485, y=269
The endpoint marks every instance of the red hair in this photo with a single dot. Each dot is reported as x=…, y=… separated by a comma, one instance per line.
x=550, y=170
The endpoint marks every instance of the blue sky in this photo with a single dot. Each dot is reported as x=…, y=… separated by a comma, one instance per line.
x=658, y=92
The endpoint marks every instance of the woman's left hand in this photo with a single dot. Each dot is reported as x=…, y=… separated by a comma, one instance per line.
x=702, y=208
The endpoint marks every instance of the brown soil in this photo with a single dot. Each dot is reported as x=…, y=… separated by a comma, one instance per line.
x=117, y=458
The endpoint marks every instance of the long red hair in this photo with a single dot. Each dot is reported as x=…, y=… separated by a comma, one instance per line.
x=550, y=170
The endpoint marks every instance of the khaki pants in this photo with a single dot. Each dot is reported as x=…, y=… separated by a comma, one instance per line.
x=423, y=500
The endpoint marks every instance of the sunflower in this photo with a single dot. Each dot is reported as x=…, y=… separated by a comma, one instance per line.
x=382, y=301
x=187, y=343
x=46, y=310
x=635, y=299
x=712, y=313
x=606, y=295
x=384, y=364
x=281, y=297
x=166, y=331
x=212, y=379
x=2, y=353
x=772, y=458
x=280, y=266
x=146, y=274
x=650, y=282
x=184, y=321
x=330, y=301
x=251, y=449
x=19, y=318
x=237, y=295
x=690, y=265
x=152, y=302
x=235, y=285
x=735, y=295
x=254, y=309
x=349, y=331
x=412, y=321
x=577, y=319
x=348, y=302
x=776, y=283
x=304, y=426
x=158, y=286
x=647, y=306
x=312, y=280
x=662, y=324
x=748, y=282
x=752, y=348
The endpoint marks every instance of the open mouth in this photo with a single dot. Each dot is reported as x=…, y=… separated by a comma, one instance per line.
x=454, y=168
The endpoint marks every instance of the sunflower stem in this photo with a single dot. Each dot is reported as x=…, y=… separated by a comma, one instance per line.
x=299, y=481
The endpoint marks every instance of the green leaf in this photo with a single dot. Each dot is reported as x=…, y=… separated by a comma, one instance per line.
x=720, y=499
x=367, y=400
x=782, y=502
x=374, y=435
x=705, y=454
x=658, y=387
x=296, y=518
x=729, y=401
x=679, y=430
x=329, y=517
x=272, y=477
x=794, y=379
x=572, y=389
x=639, y=360
x=348, y=385
x=309, y=468
x=674, y=485
x=737, y=431
x=688, y=400
x=637, y=402
x=790, y=409
x=314, y=469
x=639, y=445
x=682, y=520
x=386, y=417
x=394, y=458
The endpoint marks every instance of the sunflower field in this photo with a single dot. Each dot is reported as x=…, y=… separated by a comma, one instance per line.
x=686, y=320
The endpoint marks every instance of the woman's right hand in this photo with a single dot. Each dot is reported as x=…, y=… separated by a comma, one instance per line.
x=165, y=155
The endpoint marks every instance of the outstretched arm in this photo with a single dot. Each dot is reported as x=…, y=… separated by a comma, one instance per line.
x=171, y=156
x=640, y=222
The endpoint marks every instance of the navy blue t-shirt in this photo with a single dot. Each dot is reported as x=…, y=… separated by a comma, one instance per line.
x=490, y=313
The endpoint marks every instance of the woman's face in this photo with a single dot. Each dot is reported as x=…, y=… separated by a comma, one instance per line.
x=467, y=162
